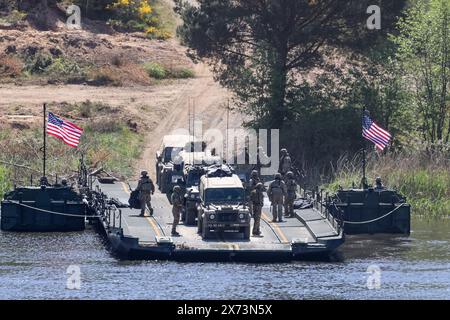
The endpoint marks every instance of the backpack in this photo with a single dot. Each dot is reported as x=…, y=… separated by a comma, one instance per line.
x=134, y=201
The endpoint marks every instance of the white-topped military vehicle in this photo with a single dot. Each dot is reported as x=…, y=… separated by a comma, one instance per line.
x=222, y=208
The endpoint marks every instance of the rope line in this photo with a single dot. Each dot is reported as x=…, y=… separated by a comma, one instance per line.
x=53, y=212
x=373, y=220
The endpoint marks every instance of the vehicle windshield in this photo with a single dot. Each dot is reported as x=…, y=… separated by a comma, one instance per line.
x=224, y=195
x=193, y=178
x=171, y=152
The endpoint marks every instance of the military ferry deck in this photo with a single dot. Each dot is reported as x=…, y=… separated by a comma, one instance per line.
x=310, y=235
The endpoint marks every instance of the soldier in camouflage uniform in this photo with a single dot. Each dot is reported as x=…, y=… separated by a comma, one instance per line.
x=285, y=163
x=257, y=201
x=276, y=193
x=291, y=195
x=177, y=204
x=146, y=188
x=254, y=180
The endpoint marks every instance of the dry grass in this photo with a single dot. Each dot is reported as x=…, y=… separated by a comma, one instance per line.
x=10, y=66
x=119, y=74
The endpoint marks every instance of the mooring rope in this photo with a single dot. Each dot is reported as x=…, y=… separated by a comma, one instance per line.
x=373, y=220
x=53, y=212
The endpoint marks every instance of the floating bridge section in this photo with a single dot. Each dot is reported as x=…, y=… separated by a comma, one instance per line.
x=312, y=234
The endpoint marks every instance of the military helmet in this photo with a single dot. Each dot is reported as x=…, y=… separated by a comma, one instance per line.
x=283, y=151
x=176, y=188
x=259, y=185
x=144, y=173
x=278, y=176
x=290, y=174
x=378, y=180
x=254, y=174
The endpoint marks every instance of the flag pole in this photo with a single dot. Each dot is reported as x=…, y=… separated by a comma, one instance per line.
x=45, y=140
x=364, y=179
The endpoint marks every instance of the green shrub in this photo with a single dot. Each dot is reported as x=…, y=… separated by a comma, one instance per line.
x=64, y=69
x=183, y=73
x=155, y=70
x=38, y=63
x=158, y=71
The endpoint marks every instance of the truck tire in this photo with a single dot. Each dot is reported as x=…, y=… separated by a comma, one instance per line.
x=190, y=217
x=246, y=233
x=199, y=225
x=205, y=233
x=163, y=185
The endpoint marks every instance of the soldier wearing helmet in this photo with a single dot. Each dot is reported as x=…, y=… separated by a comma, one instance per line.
x=252, y=183
x=379, y=184
x=291, y=194
x=276, y=193
x=257, y=201
x=177, y=205
x=285, y=162
x=146, y=188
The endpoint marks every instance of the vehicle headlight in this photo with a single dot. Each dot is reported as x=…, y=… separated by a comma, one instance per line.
x=192, y=196
x=212, y=216
x=241, y=216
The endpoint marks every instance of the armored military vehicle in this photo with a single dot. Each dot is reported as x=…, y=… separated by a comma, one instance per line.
x=222, y=207
x=170, y=147
x=371, y=210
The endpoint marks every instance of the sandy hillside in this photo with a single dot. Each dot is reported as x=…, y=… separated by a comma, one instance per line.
x=160, y=108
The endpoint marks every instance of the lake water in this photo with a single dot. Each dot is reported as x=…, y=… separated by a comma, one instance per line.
x=34, y=266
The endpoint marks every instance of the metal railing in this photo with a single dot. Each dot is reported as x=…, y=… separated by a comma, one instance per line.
x=323, y=205
x=113, y=215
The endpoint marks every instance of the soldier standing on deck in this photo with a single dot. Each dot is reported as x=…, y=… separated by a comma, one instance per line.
x=291, y=195
x=285, y=162
x=177, y=202
x=146, y=188
x=257, y=201
x=277, y=190
x=252, y=183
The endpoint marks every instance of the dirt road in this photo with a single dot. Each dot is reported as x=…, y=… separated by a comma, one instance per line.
x=162, y=108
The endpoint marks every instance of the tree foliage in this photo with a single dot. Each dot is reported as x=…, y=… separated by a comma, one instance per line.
x=259, y=47
x=424, y=51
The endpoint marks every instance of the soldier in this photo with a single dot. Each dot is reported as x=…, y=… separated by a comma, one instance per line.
x=177, y=204
x=379, y=184
x=285, y=162
x=291, y=189
x=254, y=180
x=277, y=190
x=252, y=183
x=146, y=188
x=257, y=201
x=44, y=181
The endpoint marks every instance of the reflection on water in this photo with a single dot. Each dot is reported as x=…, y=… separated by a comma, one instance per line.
x=33, y=266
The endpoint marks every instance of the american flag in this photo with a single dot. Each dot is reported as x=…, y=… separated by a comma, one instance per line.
x=64, y=130
x=375, y=134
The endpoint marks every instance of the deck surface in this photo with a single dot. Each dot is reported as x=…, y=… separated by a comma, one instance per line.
x=275, y=236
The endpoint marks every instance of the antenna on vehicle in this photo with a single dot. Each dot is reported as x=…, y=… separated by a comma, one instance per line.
x=228, y=125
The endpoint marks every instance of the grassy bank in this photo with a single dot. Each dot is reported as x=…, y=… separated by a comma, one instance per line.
x=423, y=178
x=5, y=183
x=110, y=141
